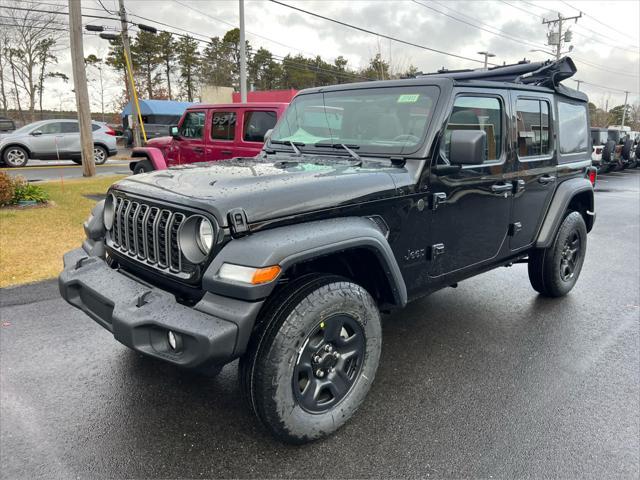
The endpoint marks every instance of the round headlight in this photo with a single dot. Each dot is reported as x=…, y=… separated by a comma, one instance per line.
x=205, y=235
x=109, y=211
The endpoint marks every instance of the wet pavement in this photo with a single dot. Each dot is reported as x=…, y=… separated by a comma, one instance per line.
x=486, y=380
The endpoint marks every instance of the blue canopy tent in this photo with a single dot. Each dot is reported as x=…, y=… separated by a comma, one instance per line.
x=163, y=112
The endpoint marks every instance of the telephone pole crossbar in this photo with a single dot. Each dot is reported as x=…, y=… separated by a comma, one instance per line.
x=560, y=21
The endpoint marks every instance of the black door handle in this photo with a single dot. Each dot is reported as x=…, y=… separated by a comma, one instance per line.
x=226, y=152
x=501, y=187
x=547, y=179
x=198, y=150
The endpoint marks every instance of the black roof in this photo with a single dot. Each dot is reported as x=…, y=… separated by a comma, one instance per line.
x=536, y=76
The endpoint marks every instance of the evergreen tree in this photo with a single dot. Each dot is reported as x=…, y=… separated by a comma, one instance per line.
x=188, y=60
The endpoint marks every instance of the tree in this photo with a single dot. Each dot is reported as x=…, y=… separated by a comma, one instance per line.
x=378, y=69
x=616, y=114
x=232, y=40
x=264, y=71
x=217, y=66
x=31, y=38
x=188, y=60
x=146, y=50
x=167, y=56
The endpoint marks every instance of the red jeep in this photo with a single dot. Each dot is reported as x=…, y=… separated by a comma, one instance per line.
x=210, y=132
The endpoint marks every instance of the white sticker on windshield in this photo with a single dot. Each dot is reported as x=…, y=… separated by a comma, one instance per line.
x=409, y=98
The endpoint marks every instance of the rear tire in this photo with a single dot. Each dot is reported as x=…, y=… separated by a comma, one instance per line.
x=313, y=357
x=142, y=166
x=554, y=271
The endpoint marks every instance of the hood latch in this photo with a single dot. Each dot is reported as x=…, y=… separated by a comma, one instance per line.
x=238, y=222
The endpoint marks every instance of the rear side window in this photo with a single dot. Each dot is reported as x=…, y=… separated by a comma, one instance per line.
x=533, y=127
x=256, y=125
x=192, y=125
x=95, y=127
x=574, y=127
x=477, y=113
x=223, y=126
x=70, y=127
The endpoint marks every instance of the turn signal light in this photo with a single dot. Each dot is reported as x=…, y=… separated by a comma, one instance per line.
x=265, y=275
x=250, y=275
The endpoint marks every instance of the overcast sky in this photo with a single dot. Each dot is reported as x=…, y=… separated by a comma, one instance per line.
x=607, y=35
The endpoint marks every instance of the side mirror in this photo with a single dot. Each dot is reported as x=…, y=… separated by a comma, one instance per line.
x=36, y=133
x=173, y=131
x=267, y=135
x=468, y=147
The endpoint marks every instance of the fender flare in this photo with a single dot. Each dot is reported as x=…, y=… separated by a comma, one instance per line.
x=565, y=192
x=293, y=244
x=153, y=154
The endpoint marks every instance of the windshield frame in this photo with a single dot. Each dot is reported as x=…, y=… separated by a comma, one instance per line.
x=410, y=88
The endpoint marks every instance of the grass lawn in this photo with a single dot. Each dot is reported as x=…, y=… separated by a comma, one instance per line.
x=32, y=240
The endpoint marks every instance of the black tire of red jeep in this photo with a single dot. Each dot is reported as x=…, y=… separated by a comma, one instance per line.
x=546, y=265
x=266, y=371
x=142, y=166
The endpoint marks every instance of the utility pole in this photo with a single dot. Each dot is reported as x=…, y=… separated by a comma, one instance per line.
x=243, y=57
x=624, y=110
x=578, y=82
x=133, y=101
x=80, y=86
x=486, y=57
x=556, y=41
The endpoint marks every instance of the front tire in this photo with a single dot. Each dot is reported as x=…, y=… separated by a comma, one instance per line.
x=15, y=157
x=313, y=359
x=142, y=166
x=554, y=271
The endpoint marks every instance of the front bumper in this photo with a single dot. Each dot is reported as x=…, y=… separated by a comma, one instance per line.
x=214, y=331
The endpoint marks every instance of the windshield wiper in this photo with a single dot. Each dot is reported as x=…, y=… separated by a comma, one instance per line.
x=346, y=147
x=291, y=143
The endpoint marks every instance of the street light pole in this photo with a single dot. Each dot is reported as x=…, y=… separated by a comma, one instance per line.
x=133, y=99
x=243, y=57
x=486, y=57
x=578, y=82
x=80, y=86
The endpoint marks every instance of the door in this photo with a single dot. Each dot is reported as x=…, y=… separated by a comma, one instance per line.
x=224, y=129
x=70, y=141
x=536, y=167
x=255, y=124
x=470, y=205
x=189, y=147
x=46, y=141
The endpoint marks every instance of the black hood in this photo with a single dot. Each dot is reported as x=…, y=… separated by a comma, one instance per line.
x=267, y=190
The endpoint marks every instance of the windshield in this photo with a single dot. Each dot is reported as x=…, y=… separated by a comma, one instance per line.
x=389, y=120
x=26, y=128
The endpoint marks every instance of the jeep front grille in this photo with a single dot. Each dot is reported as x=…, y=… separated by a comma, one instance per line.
x=149, y=234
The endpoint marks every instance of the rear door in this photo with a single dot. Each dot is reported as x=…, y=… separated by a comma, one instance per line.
x=254, y=125
x=223, y=134
x=471, y=205
x=70, y=142
x=535, y=163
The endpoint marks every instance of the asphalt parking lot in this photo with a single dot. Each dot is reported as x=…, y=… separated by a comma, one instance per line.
x=487, y=380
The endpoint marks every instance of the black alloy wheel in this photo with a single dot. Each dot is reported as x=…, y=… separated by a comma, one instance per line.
x=569, y=256
x=329, y=363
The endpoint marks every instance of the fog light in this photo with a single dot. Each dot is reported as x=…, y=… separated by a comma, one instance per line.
x=175, y=342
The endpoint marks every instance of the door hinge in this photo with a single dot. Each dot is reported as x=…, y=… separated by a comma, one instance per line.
x=437, y=199
x=238, y=222
x=519, y=185
x=436, y=250
x=514, y=228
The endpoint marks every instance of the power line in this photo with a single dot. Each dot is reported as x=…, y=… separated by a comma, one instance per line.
x=607, y=88
x=591, y=17
x=381, y=35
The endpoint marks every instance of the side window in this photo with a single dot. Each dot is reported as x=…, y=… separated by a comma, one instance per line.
x=70, y=127
x=477, y=113
x=574, y=127
x=223, y=126
x=256, y=125
x=192, y=125
x=95, y=127
x=533, y=127
x=49, y=128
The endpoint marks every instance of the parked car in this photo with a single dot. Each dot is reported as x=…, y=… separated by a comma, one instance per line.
x=286, y=260
x=210, y=132
x=603, y=149
x=55, y=140
x=6, y=125
x=624, y=146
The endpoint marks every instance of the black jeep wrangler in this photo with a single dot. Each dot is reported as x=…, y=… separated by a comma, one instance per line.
x=365, y=197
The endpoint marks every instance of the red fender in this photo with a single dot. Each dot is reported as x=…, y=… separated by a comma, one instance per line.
x=153, y=154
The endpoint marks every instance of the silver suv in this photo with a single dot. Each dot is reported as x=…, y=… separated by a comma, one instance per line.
x=55, y=140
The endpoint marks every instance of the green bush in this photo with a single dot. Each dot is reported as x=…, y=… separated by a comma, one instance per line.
x=15, y=189
x=28, y=191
